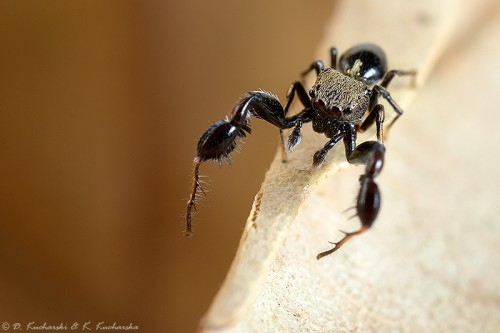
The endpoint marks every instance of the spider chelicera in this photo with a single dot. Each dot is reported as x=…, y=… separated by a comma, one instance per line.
x=342, y=102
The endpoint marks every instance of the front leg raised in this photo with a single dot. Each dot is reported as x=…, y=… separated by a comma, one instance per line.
x=216, y=143
x=219, y=140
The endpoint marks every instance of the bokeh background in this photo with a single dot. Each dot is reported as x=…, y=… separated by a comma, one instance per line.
x=101, y=107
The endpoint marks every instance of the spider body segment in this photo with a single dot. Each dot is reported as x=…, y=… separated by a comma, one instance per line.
x=342, y=102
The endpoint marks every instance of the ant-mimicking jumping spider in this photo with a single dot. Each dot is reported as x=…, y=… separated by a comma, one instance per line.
x=342, y=102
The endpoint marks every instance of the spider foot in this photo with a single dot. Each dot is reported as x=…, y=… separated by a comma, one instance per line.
x=319, y=157
x=337, y=245
x=294, y=139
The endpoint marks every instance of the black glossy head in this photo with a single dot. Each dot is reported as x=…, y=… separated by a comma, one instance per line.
x=372, y=62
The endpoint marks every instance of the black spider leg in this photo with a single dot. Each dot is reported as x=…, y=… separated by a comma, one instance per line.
x=387, y=96
x=295, y=137
x=371, y=154
x=192, y=198
x=318, y=65
x=333, y=57
x=393, y=73
x=216, y=143
x=381, y=90
x=219, y=140
x=320, y=155
x=377, y=115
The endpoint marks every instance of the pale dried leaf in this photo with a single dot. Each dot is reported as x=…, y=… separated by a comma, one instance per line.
x=426, y=265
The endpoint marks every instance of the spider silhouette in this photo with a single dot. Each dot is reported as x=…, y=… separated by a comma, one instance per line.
x=342, y=102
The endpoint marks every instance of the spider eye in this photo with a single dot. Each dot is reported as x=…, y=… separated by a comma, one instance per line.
x=334, y=112
x=319, y=105
x=312, y=93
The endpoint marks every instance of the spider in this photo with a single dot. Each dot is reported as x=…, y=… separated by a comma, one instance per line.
x=342, y=102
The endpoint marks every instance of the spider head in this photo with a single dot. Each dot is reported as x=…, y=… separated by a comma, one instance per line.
x=338, y=96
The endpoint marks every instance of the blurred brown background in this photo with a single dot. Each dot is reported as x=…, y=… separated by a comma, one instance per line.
x=101, y=107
